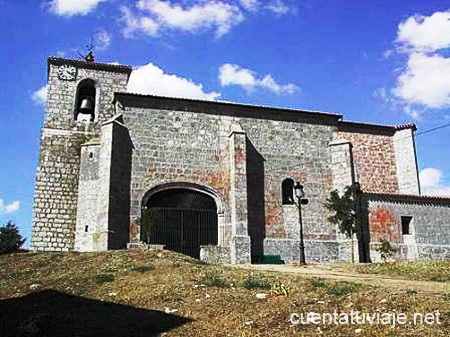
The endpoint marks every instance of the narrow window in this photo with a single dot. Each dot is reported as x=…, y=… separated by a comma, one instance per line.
x=287, y=191
x=85, y=101
x=406, y=222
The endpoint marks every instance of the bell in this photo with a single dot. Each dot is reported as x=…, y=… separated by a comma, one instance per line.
x=86, y=106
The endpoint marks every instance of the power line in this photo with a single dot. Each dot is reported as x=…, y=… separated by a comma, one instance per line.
x=433, y=129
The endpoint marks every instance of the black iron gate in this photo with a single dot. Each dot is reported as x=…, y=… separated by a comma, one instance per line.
x=182, y=220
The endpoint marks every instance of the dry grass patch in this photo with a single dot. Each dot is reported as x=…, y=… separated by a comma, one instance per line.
x=219, y=301
x=438, y=271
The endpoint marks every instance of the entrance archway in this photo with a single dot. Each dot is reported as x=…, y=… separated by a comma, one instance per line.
x=181, y=219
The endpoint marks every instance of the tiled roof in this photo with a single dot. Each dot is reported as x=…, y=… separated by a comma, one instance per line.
x=406, y=126
x=410, y=197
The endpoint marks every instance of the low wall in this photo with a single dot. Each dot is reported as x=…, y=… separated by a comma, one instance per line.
x=419, y=226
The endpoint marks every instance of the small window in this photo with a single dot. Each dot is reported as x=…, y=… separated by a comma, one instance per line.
x=406, y=222
x=91, y=155
x=287, y=191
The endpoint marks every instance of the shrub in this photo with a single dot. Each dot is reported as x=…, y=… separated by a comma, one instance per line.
x=279, y=288
x=343, y=288
x=142, y=269
x=256, y=281
x=318, y=282
x=10, y=238
x=386, y=250
x=214, y=278
x=104, y=278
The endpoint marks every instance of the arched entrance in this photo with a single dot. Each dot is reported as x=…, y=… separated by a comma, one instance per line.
x=181, y=219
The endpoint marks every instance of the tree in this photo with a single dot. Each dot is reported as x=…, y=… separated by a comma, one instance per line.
x=10, y=238
x=148, y=222
x=344, y=215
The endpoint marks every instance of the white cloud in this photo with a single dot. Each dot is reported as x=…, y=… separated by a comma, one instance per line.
x=278, y=7
x=250, y=5
x=40, y=96
x=425, y=33
x=232, y=74
x=431, y=182
x=102, y=39
x=9, y=208
x=150, y=79
x=155, y=15
x=425, y=81
x=73, y=7
x=134, y=23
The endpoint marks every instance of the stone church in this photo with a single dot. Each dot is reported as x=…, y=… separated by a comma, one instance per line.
x=215, y=180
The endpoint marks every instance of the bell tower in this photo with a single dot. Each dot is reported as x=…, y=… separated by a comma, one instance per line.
x=79, y=99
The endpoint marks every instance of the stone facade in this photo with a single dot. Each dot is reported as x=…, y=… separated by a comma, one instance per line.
x=95, y=179
x=426, y=232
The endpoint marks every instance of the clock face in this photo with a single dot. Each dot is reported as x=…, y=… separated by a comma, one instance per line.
x=67, y=73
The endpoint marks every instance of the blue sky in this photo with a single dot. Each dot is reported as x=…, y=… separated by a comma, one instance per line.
x=381, y=61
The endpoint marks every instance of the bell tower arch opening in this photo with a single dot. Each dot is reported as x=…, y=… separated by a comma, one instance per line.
x=85, y=101
x=182, y=219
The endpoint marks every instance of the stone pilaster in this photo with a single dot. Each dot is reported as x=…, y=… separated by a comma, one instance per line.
x=240, y=242
x=342, y=169
x=88, y=186
x=113, y=188
x=406, y=162
x=341, y=164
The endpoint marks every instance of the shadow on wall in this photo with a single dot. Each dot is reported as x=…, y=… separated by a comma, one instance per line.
x=51, y=313
x=119, y=212
x=255, y=201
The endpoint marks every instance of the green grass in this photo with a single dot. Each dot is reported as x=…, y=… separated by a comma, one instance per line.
x=214, y=278
x=104, y=278
x=334, y=288
x=256, y=281
x=142, y=269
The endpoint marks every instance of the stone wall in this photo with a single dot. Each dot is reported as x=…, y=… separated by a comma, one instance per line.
x=374, y=156
x=174, y=145
x=55, y=198
x=119, y=187
x=429, y=236
x=56, y=191
x=240, y=154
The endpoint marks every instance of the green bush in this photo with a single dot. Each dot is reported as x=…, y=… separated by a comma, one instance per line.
x=386, y=250
x=104, y=278
x=279, y=288
x=343, y=288
x=10, y=238
x=142, y=269
x=318, y=282
x=256, y=281
x=214, y=278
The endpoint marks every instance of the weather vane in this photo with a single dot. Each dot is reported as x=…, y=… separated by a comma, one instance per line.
x=89, y=57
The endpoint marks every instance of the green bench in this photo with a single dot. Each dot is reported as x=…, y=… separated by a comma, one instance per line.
x=269, y=259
